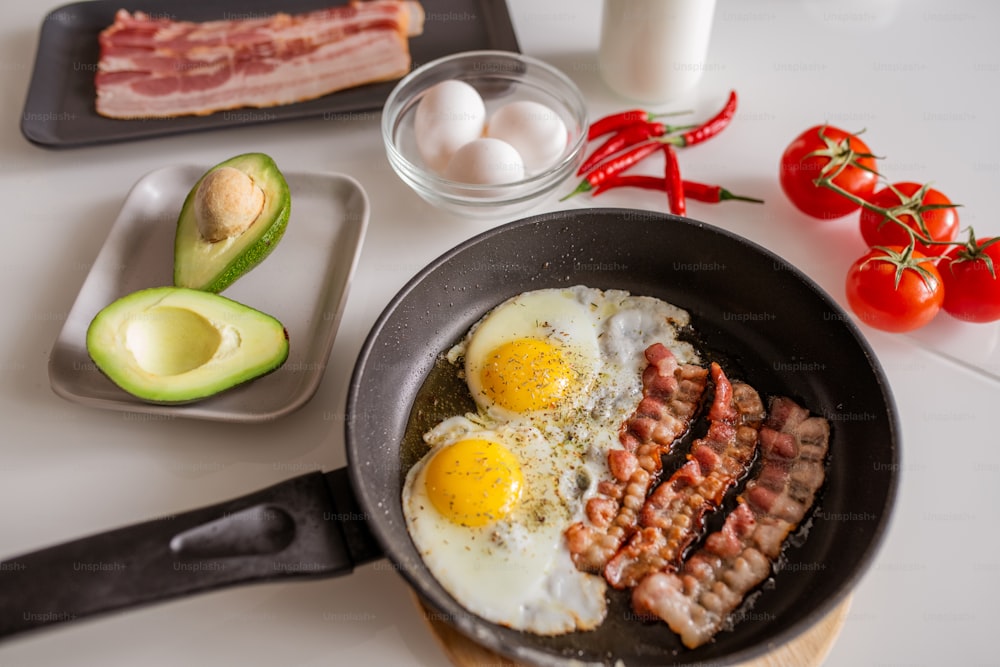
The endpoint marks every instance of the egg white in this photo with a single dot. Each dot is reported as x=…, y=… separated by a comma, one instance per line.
x=518, y=571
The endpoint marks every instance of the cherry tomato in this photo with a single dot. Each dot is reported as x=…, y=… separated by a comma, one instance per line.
x=939, y=224
x=971, y=289
x=875, y=296
x=804, y=161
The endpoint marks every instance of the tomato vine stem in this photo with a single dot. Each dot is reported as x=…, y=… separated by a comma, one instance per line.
x=842, y=155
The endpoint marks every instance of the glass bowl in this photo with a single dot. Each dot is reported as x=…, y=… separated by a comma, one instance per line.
x=500, y=77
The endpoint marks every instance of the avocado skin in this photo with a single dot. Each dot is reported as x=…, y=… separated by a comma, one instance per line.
x=260, y=344
x=212, y=267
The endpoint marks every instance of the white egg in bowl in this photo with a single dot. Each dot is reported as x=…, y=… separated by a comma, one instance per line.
x=537, y=132
x=543, y=101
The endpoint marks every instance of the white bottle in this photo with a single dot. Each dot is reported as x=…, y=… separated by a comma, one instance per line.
x=654, y=51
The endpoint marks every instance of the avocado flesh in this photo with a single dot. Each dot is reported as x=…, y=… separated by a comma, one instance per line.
x=214, y=265
x=178, y=345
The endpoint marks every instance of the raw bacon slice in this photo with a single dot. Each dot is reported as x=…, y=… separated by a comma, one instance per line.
x=696, y=601
x=153, y=67
x=672, y=517
x=671, y=395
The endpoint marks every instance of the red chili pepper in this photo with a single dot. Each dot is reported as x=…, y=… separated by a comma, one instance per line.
x=617, y=121
x=672, y=179
x=709, y=128
x=710, y=194
x=643, y=181
x=623, y=119
x=713, y=194
x=628, y=136
x=615, y=165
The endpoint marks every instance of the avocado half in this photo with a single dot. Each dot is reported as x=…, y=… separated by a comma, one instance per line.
x=231, y=220
x=178, y=345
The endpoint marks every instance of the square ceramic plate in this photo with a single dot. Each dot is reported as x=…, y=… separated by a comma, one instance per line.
x=59, y=109
x=303, y=283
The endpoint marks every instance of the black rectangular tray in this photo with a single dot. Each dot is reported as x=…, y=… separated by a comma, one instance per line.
x=59, y=110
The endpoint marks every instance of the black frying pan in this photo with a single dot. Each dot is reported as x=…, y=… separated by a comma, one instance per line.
x=763, y=319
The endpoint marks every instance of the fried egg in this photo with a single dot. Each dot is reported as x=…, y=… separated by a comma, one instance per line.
x=553, y=373
x=487, y=508
x=536, y=353
x=569, y=358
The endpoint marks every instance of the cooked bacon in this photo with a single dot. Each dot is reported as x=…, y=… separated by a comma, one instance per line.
x=671, y=395
x=672, y=516
x=696, y=601
x=154, y=67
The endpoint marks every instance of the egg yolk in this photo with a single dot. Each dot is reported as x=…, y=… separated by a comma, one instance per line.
x=474, y=482
x=527, y=374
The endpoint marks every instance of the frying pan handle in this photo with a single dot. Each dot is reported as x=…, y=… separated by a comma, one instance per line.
x=302, y=527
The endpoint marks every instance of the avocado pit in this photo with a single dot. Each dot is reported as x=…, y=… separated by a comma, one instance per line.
x=227, y=203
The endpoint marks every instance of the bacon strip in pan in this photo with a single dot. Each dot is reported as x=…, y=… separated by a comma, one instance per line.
x=672, y=517
x=696, y=601
x=157, y=67
x=671, y=395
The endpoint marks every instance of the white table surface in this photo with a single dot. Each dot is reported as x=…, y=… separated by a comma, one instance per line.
x=922, y=76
